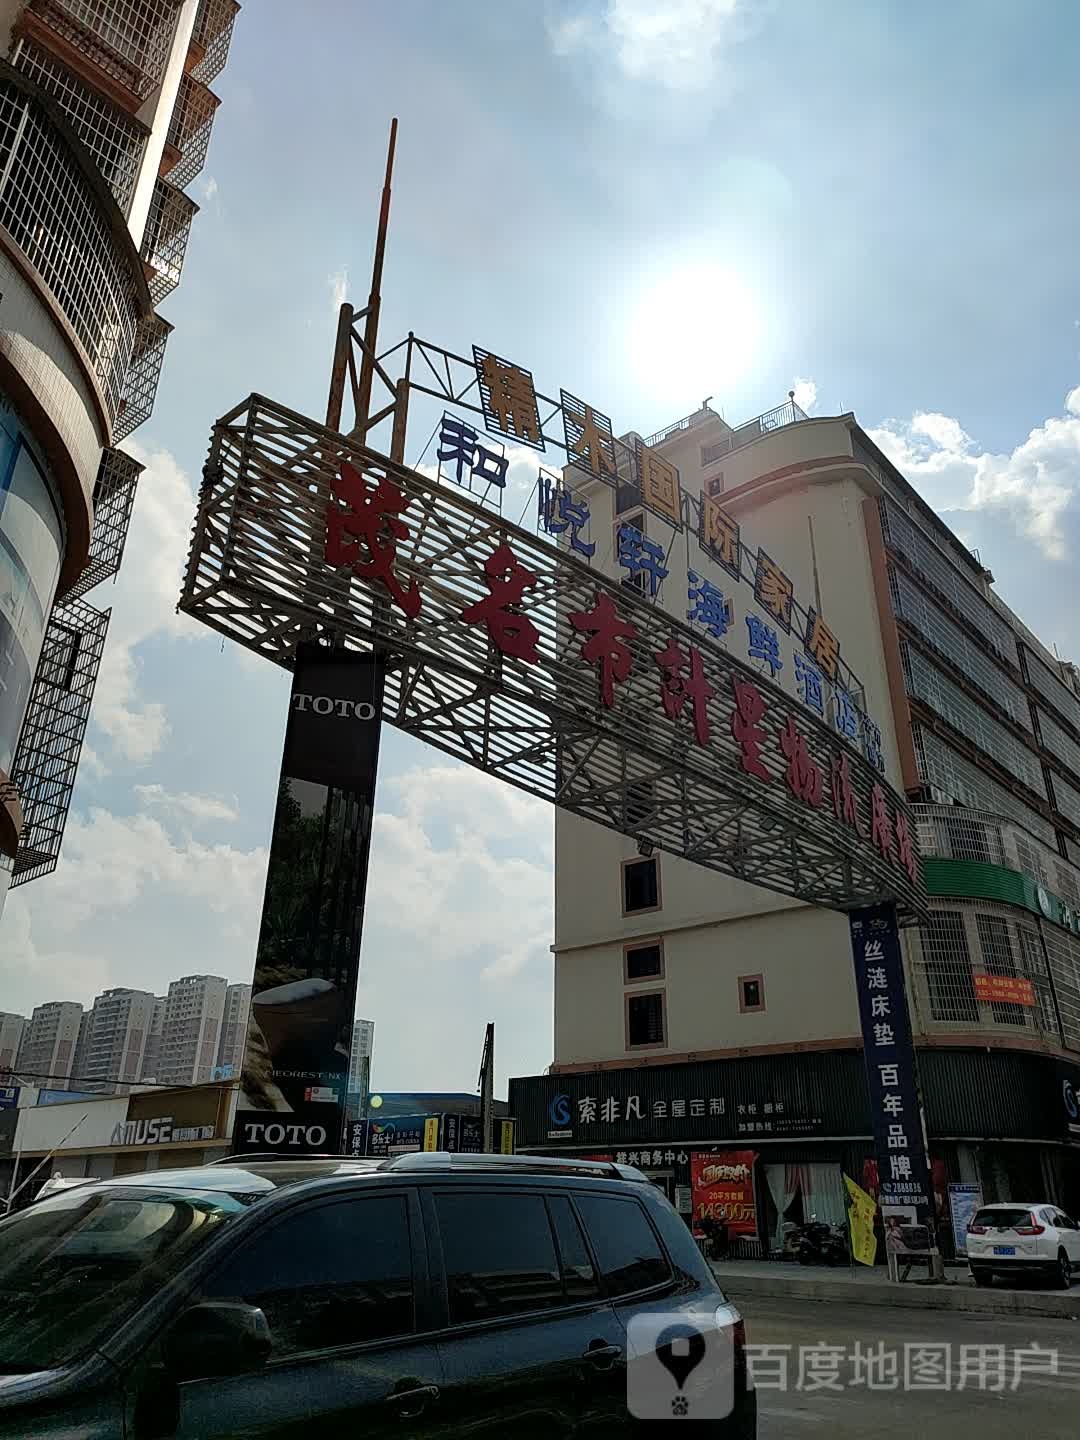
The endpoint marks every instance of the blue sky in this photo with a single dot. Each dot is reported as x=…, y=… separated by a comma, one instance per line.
x=647, y=202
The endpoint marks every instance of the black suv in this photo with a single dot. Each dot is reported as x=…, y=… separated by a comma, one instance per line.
x=426, y=1295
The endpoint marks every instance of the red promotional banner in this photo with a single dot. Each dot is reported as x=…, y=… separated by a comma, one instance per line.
x=1011, y=989
x=722, y=1188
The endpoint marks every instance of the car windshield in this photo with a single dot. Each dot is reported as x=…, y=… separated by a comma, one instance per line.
x=73, y=1266
x=1003, y=1219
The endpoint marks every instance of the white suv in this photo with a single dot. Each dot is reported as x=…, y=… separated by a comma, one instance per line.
x=1010, y=1238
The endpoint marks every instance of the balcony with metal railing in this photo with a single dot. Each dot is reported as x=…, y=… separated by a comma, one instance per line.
x=114, y=495
x=143, y=373
x=126, y=41
x=64, y=230
x=776, y=419
x=188, y=139
x=115, y=140
x=168, y=227
x=211, y=38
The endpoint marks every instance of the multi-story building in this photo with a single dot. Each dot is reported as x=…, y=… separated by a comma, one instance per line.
x=697, y=1012
x=230, y=1056
x=47, y=1053
x=152, y=1053
x=12, y=1029
x=113, y=1040
x=105, y=118
x=363, y=1045
x=191, y=1029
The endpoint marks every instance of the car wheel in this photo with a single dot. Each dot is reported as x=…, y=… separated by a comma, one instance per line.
x=982, y=1277
x=1062, y=1272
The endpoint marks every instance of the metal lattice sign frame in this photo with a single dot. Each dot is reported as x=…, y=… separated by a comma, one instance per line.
x=508, y=653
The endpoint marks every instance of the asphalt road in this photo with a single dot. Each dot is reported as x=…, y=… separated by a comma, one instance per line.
x=819, y=1396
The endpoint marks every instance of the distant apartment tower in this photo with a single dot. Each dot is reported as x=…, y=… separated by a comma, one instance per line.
x=233, y=1031
x=12, y=1029
x=105, y=120
x=191, y=1031
x=47, y=1053
x=112, y=1045
x=363, y=1043
x=152, y=1053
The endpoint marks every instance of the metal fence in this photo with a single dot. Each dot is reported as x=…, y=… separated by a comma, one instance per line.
x=128, y=39
x=189, y=130
x=143, y=374
x=168, y=227
x=213, y=35
x=114, y=495
x=52, y=735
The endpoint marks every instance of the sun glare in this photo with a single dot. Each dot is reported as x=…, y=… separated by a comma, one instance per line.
x=693, y=328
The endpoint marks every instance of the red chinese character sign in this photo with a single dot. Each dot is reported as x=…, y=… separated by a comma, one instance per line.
x=515, y=656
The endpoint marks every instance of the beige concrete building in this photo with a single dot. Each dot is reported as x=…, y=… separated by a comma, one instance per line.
x=677, y=986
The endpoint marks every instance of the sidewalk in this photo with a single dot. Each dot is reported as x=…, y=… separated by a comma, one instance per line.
x=741, y=1280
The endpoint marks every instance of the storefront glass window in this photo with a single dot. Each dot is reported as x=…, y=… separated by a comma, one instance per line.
x=31, y=543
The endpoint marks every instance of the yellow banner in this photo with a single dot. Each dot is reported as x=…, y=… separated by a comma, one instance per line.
x=431, y=1133
x=507, y=1145
x=861, y=1210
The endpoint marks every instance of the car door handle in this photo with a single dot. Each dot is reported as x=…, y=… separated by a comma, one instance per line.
x=601, y=1354
x=412, y=1402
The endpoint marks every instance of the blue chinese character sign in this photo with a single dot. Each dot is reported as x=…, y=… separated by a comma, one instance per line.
x=895, y=1109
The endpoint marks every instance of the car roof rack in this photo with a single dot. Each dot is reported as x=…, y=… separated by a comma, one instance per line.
x=419, y=1160
x=263, y=1155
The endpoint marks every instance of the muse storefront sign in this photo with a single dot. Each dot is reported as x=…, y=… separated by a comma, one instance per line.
x=295, y=1067
x=161, y=1131
x=518, y=658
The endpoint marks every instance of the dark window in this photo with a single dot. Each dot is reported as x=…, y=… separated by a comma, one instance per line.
x=643, y=961
x=753, y=996
x=330, y=1275
x=645, y=1019
x=578, y=1275
x=641, y=885
x=499, y=1255
x=625, y=1244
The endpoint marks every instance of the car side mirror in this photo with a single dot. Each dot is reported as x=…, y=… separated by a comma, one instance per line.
x=217, y=1338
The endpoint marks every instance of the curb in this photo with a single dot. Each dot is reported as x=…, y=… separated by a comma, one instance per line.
x=962, y=1299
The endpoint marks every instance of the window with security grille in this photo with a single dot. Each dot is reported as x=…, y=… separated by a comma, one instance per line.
x=920, y=552
x=929, y=684
x=947, y=638
x=645, y=1019
x=948, y=968
x=644, y=962
x=969, y=839
x=948, y=771
x=1067, y=798
x=51, y=211
x=129, y=39
x=1033, y=963
x=1053, y=689
x=115, y=140
x=997, y=958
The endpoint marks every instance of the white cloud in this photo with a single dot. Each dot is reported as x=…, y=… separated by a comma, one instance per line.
x=1036, y=484
x=143, y=604
x=339, y=287
x=677, y=44
x=130, y=905
x=208, y=188
x=186, y=806
x=805, y=394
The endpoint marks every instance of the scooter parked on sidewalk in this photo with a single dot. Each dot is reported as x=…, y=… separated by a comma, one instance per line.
x=822, y=1244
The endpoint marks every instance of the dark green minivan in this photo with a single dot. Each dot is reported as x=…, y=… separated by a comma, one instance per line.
x=422, y=1296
